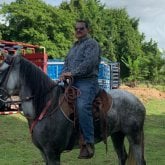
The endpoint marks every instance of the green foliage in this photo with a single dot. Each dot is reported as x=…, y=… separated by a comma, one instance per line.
x=133, y=66
x=35, y=22
x=155, y=63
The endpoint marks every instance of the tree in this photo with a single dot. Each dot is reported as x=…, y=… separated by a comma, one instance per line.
x=155, y=61
x=35, y=22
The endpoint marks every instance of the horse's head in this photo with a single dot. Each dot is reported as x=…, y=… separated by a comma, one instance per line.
x=9, y=73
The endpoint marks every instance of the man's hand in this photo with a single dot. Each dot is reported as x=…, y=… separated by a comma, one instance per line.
x=65, y=75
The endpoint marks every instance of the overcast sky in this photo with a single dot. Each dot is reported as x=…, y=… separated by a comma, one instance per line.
x=150, y=12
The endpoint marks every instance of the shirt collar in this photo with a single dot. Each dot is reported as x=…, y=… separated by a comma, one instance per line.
x=82, y=39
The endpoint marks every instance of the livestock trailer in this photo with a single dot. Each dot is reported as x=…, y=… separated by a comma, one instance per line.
x=34, y=53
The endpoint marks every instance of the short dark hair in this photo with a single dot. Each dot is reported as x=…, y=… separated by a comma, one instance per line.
x=85, y=22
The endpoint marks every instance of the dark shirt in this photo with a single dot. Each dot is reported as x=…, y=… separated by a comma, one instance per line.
x=83, y=59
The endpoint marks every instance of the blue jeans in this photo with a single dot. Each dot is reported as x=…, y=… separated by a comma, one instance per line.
x=88, y=90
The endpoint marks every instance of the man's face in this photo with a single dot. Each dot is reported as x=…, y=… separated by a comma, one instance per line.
x=80, y=30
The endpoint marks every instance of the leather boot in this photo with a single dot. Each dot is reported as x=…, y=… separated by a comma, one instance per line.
x=86, y=151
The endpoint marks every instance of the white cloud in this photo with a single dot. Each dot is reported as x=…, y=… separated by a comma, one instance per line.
x=151, y=14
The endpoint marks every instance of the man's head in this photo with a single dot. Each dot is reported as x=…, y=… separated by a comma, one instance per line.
x=81, y=29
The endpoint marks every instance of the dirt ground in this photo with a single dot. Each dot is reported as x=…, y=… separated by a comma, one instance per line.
x=145, y=93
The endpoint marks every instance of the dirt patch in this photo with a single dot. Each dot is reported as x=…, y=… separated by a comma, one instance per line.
x=145, y=93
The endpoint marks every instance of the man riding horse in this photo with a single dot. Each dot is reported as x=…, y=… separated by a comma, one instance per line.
x=82, y=62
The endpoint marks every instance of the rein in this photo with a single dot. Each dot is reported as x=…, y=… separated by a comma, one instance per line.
x=70, y=95
x=40, y=116
x=16, y=101
x=4, y=91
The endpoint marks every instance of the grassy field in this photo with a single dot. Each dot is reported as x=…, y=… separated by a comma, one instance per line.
x=16, y=147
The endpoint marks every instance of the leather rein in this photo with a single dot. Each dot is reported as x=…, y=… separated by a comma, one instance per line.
x=68, y=95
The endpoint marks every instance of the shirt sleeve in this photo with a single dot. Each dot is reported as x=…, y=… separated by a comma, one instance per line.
x=91, y=59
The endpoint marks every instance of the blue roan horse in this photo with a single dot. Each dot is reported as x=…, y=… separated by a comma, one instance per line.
x=52, y=131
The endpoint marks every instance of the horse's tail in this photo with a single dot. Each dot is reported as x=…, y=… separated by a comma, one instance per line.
x=131, y=159
x=142, y=143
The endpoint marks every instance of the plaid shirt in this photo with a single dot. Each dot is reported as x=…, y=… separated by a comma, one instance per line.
x=83, y=59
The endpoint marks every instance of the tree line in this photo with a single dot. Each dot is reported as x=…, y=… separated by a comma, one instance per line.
x=35, y=22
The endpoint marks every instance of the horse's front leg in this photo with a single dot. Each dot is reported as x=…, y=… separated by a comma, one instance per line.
x=49, y=156
x=48, y=153
x=53, y=159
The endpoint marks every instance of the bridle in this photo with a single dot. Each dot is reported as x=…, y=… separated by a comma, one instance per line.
x=5, y=97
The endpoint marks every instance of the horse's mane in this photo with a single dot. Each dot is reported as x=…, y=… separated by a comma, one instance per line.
x=38, y=82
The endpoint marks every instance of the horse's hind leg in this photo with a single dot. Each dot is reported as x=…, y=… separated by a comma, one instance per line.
x=118, y=143
x=137, y=147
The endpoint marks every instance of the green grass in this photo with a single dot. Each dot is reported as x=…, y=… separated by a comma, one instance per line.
x=155, y=132
x=16, y=147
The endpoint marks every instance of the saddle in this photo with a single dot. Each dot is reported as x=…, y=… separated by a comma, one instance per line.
x=101, y=105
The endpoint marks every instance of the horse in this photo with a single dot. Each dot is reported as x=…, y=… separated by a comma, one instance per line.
x=52, y=132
